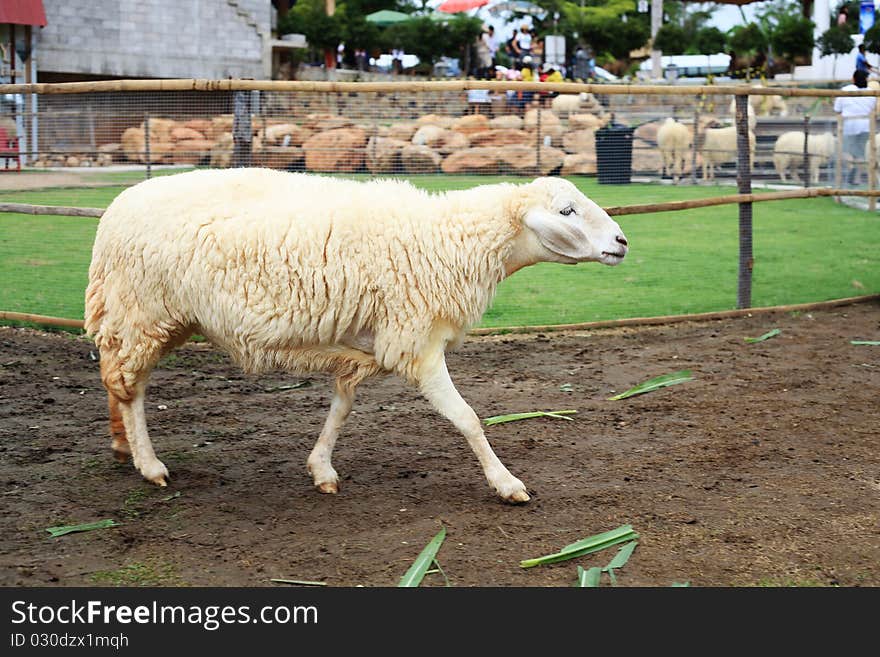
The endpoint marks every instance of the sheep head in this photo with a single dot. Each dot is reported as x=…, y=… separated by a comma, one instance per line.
x=560, y=224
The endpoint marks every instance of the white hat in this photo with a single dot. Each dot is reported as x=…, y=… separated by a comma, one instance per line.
x=527, y=59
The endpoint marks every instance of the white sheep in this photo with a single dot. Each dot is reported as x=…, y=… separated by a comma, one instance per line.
x=876, y=171
x=719, y=146
x=788, y=153
x=751, y=114
x=674, y=140
x=308, y=273
x=566, y=104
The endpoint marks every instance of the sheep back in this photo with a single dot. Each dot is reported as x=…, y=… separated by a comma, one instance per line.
x=289, y=270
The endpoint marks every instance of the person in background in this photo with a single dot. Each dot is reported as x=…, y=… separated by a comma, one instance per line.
x=522, y=44
x=397, y=60
x=855, y=111
x=549, y=73
x=360, y=58
x=491, y=42
x=484, y=55
x=842, y=16
x=862, y=61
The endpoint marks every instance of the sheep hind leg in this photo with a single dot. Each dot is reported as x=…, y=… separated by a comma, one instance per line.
x=142, y=453
x=319, y=462
x=437, y=387
x=118, y=439
x=125, y=379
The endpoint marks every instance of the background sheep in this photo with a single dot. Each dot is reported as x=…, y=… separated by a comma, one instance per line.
x=674, y=140
x=308, y=273
x=788, y=153
x=719, y=146
x=565, y=104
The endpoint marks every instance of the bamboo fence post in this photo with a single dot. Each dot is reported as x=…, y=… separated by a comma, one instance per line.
x=744, y=184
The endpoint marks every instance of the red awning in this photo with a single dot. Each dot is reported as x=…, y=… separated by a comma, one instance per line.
x=23, y=12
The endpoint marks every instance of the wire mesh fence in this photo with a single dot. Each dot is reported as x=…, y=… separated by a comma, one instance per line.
x=82, y=149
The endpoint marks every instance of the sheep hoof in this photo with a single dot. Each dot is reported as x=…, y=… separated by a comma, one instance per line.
x=513, y=492
x=328, y=487
x=156, y=473
x=517, y=497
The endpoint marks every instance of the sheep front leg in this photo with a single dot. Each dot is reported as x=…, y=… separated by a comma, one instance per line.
x=437, y=387
x=319, y=461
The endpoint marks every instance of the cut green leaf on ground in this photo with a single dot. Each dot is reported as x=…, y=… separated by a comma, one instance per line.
x=513, y=417
x=656, y=383
x=589, y=578
x=86, y=527
x=622, y=534
x=769, y=334
x=864, y=342
x=299, y=582
x=413, y=576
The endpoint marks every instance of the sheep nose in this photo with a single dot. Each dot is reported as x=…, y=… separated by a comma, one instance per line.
x=620, y=239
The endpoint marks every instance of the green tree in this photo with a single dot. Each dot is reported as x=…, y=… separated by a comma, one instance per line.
x=747, y=39
x=309, y=17
x=710, y=40
x=836, y=40
x=612, y=28
x=671, y=39
x=792, y=37
x=872, y=39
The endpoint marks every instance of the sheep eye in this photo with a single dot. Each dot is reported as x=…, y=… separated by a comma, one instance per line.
x=566, y=211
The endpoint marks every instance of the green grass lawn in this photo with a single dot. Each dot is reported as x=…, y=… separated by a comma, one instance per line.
x=679, y=262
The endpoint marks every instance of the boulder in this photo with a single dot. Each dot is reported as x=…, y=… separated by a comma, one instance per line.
x=160, y=129
x=507, y=121
x=202, y=125
x=220, y=124
x=550, y=125
x=403, y=131
x=419, y=159
x=435, y=119
x=134, y=146
x=483, y=160
x=221, y=153
x=182, y=133
x=338, y=150
x=443, y=140
x=471, y=123
x=576, y=164
x=192, y=151
x=585, y=121
x=280, y=157
x=579, y=141
x=383, y=155
x=501, y=137
x=324, y=122
x=523, y=160
x=286, y=134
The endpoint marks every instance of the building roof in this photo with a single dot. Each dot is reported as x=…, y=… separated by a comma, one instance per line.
x=23, y=12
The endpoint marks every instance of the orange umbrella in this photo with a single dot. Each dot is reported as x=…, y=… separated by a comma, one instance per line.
x=455, y=6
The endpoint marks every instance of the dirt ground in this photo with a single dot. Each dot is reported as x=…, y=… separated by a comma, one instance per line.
x=763, y=470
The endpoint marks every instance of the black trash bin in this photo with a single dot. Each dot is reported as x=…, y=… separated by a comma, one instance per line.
x=614, y=154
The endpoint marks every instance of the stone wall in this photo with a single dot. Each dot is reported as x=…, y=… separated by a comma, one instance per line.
x=155, y=38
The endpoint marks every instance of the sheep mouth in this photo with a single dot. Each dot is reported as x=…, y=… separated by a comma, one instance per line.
x=614, y=254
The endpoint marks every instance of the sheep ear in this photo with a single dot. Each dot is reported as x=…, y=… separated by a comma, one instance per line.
x=561, y=235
